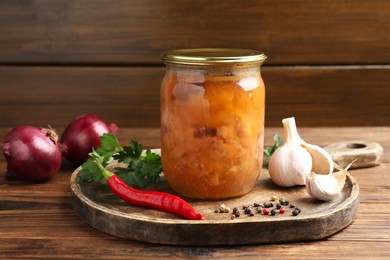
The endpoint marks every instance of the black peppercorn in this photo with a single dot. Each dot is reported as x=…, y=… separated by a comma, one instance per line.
x=278, y=206
x=292, y=205
x=273, y=212
x=296, y=212
x=256, y=204
x=248, y=211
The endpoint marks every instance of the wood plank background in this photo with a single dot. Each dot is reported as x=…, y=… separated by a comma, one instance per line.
x=328, y=61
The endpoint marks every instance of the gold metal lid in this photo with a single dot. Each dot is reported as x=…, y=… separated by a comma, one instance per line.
x=217, y=56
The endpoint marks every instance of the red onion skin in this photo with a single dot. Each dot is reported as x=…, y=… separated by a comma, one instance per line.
x=32, y=153
x=81, y=135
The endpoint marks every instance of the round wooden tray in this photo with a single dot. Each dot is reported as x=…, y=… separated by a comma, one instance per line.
x=97, y=206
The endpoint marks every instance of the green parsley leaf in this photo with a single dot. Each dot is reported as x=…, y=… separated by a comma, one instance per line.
x=130, y=154
x=89, y=170
x=269, y=151
x=152, y=166
x=141, y=169
x=109, y=144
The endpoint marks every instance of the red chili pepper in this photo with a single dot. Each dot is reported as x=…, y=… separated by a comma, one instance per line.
x=154, y=199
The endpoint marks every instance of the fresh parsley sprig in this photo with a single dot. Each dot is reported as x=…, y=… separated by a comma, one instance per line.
x=141, y=168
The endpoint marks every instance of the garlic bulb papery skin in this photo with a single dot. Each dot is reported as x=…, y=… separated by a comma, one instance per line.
x=326, y=187
x=291, y=163
x=322, y=161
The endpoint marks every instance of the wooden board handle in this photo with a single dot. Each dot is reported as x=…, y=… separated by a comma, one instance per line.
x=368, y=154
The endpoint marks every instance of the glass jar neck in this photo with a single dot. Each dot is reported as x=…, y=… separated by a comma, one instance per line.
x=214, y=70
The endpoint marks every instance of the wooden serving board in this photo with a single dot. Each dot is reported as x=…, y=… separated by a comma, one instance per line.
x=97, y=206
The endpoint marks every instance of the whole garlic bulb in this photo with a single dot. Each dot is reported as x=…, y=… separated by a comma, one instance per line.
x=295, y=159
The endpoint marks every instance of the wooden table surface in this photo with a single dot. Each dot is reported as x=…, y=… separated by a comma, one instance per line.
x=37, y=220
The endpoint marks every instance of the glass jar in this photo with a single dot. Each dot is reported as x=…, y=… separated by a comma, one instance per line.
x=212, y=121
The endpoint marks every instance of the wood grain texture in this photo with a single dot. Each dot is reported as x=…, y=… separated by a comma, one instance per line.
x=37, y=220
x=316, y=96
x=137, y=31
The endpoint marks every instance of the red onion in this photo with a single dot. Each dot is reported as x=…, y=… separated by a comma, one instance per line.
x=32, y=153
x=81, y=135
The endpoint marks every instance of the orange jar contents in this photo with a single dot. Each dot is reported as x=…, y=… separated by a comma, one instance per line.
x=212, y=121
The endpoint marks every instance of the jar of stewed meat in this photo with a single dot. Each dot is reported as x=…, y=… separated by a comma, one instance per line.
x=212, y=121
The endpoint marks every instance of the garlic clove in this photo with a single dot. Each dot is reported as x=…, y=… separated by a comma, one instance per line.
x=322, y=161
x=326, y=187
